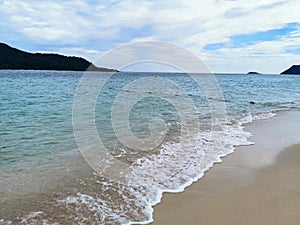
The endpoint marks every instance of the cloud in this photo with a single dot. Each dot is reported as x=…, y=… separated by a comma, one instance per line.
x=272, y=5
x=252, y=38
x=207, y=28
x=266, y=56
x=163, y=54
x=234, y=12
x=44, y=20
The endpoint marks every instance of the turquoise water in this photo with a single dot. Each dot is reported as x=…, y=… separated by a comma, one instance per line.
x=36, y=123
x=36, y=107
x=36, y=112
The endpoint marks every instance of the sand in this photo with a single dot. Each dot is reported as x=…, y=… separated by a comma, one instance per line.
x=258, y=184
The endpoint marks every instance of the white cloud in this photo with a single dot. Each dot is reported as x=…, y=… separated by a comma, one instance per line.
x=191, y=24
x=265, y=57
x=44, y=20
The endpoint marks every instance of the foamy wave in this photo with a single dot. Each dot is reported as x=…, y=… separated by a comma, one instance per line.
x=248, y=118
x=172, y=170
x=35, y=218
x=176, y=167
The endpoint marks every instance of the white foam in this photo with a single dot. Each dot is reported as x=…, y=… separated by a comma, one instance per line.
x=36, y=218
x=187, y=166
x=248, y=118
x=172, y=170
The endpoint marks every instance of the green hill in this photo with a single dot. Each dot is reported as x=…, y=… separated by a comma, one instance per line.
x=15, y=59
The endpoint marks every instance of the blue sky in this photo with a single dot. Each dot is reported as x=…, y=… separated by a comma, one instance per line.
x=241, y=40
x=228, y=36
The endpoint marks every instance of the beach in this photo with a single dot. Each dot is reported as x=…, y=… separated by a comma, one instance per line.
x=149, y=112
x=258, y=184
x=46, y=178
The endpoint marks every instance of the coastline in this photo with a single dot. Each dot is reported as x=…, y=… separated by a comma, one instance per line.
x=258, y=184
x=223, y=193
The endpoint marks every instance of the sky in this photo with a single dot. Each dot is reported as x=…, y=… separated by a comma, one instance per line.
x=229, y=36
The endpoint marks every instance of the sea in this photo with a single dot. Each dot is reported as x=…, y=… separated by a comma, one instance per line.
x=102, y=148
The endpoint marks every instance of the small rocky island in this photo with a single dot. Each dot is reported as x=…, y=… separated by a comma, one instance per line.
x=295, y=69
x=251, y=72
x=15, y=59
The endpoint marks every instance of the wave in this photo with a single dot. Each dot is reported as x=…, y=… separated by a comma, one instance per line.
x=176, y=167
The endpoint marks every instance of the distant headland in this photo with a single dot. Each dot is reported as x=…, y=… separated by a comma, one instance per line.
x=15, y=59
x=295, y=69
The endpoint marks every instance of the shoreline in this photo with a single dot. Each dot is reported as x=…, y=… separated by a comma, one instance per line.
x=236, y=172
x=247, y=186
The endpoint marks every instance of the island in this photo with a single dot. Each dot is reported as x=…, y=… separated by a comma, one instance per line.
x=251, y=72
x=15, y=59
x=295, y=69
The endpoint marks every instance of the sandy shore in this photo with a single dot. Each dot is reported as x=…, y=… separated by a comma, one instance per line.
x=258, y=184
x=249, y=187
x=37, y=189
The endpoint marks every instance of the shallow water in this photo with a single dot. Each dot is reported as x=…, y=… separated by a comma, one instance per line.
x=202, y=122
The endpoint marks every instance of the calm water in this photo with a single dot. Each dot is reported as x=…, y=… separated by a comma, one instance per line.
x=36, y=123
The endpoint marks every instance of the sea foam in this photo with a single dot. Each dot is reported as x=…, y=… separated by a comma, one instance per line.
x=172, y=170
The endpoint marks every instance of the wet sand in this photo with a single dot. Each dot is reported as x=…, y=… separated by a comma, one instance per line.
x=258, y=184
x=245, y=189
x=31, y=194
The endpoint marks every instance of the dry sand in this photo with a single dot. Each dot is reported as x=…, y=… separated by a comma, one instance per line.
x=257, y=185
